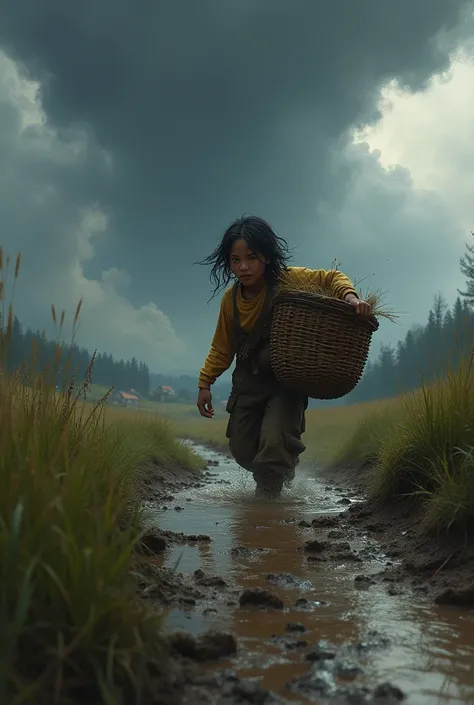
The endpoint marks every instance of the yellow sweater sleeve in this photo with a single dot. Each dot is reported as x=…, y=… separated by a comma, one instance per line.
x=339, y=284
x=221, y=353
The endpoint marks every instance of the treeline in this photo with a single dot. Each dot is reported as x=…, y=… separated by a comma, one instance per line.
x=422, y=356
x=445, y=339
x=24, y=346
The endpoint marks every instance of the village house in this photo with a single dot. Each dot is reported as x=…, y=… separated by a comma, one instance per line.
x=163, y=393
x=126, y=398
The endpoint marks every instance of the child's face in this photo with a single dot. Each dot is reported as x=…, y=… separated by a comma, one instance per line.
x=246, y=265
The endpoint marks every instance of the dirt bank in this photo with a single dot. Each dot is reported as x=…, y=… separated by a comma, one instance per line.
x=161, y=482
x=438, y=564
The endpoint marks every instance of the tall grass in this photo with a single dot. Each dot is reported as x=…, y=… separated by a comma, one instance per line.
x=368, y=434
x=72, y=626
x=430, y=454
x=421, y=446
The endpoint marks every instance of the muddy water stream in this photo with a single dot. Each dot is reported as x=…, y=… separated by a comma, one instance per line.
x=378, y=636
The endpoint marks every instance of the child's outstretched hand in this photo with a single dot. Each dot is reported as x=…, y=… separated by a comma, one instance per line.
x=204, y=403
x=363, y=309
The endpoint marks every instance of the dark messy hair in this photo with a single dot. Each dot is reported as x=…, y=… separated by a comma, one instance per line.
x=260, y=237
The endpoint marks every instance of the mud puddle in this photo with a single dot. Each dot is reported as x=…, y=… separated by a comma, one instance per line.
x=342, y=635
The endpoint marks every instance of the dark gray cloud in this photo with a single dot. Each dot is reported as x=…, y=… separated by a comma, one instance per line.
x=185, y=114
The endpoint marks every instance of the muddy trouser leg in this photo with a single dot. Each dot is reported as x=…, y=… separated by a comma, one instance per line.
x=280, y=443
x=243, y=429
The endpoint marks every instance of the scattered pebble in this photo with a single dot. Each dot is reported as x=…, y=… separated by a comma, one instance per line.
x=387, y=691
x=288, y=644
x=320, y=654
x=314, y=683
x=214, y=581
x=208, y=647
x=325, y=521
x=295, y=627
x=314, y=546
x=259, y=597
x=364, y=580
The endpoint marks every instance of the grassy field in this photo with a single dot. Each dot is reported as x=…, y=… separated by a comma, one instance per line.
x=72, y=625
x=327, y=430
x=421, y=445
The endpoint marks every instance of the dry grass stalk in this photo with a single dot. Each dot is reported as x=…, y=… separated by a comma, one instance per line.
x=374, y=297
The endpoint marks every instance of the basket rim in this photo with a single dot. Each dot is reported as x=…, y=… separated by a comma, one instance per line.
x=324, y=302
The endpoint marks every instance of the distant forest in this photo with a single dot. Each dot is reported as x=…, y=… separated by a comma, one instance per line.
x=422, y=355
x=426, y=350
x=107, y=371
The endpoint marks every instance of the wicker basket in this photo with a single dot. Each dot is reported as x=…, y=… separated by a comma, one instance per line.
x=318, y=346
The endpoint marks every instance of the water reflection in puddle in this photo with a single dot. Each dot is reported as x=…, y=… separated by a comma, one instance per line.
x=431, y=653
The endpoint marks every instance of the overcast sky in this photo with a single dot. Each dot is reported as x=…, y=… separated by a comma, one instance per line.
x=131, y=134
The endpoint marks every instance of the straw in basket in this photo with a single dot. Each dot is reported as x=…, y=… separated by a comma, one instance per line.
x=318, y=345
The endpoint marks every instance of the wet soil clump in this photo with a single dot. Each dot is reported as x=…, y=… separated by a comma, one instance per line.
x=438, y=564
x=261, y=598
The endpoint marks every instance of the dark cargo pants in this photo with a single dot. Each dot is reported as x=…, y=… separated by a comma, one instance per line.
x=264, y=431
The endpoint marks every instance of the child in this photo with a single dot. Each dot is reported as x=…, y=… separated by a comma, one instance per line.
x=266, y=421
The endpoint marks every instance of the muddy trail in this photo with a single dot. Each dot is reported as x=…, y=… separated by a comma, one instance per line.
x=306, y=596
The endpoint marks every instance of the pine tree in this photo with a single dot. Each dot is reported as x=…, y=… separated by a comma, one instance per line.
x=440, y=307
x=408, y=362
x=387, y=370
x=16, y=352
x=38, y=353
x=467, y=268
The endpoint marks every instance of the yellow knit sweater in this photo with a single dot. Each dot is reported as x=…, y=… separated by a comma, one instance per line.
x=221, y=353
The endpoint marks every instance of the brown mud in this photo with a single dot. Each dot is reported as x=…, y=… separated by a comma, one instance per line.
x=317, y=598
x=438, y=563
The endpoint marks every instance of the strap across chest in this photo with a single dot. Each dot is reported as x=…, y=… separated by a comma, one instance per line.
x=245, y=342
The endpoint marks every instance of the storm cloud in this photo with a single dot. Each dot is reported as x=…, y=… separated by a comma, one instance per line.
x=161, y=122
